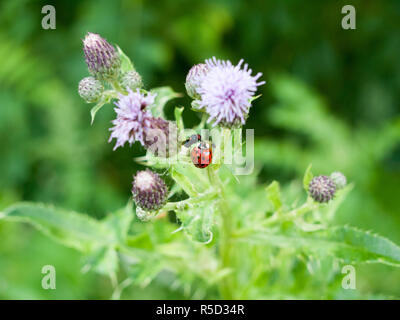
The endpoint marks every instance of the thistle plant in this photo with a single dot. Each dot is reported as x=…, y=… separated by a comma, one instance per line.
x=199, y=227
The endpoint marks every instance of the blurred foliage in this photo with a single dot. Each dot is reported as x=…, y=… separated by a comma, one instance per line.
x=331, y=99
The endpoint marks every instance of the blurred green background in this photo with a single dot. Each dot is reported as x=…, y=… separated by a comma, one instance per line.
x=331, y=99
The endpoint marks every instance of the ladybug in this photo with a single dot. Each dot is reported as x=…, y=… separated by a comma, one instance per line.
x=192, y=140
x=201, y=155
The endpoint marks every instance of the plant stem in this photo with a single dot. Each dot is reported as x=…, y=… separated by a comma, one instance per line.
x=227, y=230
x=191, y=201
x=117, y=87
x=291, y=215
x=226, y=285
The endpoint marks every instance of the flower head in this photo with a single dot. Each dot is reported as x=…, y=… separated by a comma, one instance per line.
x=194, y=79
x=90, y=89
x=322, y=188
x=101, y=57
x=339, y=179
x=226, y=91
x=131, y=80
x=149, y=190
x=133, y=118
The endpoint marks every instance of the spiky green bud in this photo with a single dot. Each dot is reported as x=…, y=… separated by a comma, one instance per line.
x=131, y=80
x=90, y=89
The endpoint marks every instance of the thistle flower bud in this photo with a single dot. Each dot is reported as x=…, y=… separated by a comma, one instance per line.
x=101, y=57
x=90, y=89
x=161, y=137
x=194, y=78
x=322, y=188
x=149, y=190
x=131, y=80
x=339, y=179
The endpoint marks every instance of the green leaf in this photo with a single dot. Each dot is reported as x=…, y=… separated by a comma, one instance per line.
x=142, y=241
x=126, y=63
x=71, y=229
x=274, y=195
x=105, y=98
x=183, y=182
x=144, y=272
x=164, y=94
x=178, y=118
x=96, y=108
x=308, y=175
x=103, y=260
x=347, y=244
x=197, y=222
x=120, y=221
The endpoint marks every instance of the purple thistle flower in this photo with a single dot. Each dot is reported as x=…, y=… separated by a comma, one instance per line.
x=226, y=91
x=132, y=118
x=101, y=57
x=322, y=188
x=149, y=191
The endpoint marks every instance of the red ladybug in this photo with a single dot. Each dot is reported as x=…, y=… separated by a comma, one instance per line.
x=201, y=155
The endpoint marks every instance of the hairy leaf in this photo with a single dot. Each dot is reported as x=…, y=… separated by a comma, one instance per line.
x=72, y=229
x=348, y=244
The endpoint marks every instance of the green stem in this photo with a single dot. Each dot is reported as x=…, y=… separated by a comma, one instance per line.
x=191, y=201
x=227, y=230
x=291, y=215
x=117, y=87
x=226, y=286
x=278, y=218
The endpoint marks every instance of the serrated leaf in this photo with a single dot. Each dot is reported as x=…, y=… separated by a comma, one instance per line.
x=120, y=221
x=347, y=244
x=274, y=195
x=103, y=260
x=308, y=175
x=197, y=222
x=144, y=272
x=164, y=94
x=71, y=229
x=126, y=63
